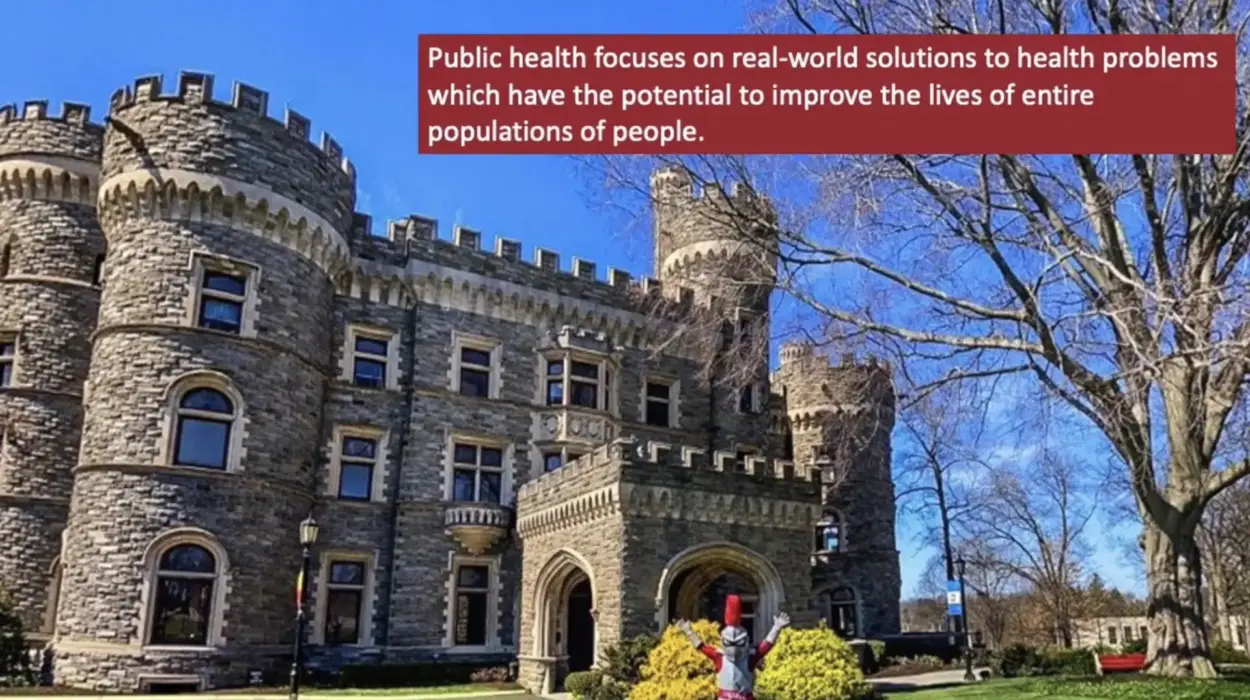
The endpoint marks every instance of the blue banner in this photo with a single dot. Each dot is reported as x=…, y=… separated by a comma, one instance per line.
x=954, y=599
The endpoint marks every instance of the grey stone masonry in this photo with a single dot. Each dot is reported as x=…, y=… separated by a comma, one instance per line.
x=204, y=343
x=50, y=242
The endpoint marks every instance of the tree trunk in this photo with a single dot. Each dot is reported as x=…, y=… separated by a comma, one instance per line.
x=1178, y=635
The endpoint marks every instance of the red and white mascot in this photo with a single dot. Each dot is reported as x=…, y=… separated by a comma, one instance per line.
x=735, y=661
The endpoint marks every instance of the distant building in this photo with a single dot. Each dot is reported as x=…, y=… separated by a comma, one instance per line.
x=1117, y=631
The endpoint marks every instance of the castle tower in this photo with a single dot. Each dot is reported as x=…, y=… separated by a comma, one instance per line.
x=842, y=416
x=718, y=250
x=204, y=397
x=49, y=293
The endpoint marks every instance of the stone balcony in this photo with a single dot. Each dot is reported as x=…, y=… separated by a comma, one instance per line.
x=573, y=425
x=477, y=526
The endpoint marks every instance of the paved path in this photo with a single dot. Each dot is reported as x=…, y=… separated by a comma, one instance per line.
x=925, y=680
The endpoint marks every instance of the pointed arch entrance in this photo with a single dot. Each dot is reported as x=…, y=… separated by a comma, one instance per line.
x=564, y=624
x=695, y=582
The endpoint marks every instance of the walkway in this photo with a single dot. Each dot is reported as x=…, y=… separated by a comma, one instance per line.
x=954, y=676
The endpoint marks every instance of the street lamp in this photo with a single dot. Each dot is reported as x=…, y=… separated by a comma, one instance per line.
x=960, y=568
x=307, y=538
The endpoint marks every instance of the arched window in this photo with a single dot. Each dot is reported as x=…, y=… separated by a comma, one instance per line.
x=843, y=615
x=182, y=607
x=830, y=533
x=202, y=439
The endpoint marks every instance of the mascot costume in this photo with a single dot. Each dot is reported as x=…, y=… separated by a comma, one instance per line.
x=735, y=661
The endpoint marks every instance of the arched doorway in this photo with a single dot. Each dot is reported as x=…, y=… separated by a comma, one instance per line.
x=581, y=627
x=565, y=634
x=696, y=581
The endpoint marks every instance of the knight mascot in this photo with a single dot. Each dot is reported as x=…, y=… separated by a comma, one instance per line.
x=735, y=661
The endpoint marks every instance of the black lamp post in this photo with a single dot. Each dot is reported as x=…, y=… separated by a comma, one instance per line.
x=307, y=538
x=960, y=568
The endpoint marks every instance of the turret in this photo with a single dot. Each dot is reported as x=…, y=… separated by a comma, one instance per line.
x=721, y=246
x=225, y=231
x=50, y=247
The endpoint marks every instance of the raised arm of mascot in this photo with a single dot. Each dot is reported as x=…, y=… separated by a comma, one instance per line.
x=735, y=661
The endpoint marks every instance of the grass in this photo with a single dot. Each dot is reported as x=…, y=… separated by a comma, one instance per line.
x=1125, y=687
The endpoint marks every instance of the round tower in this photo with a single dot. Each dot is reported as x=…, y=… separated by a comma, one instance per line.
x=718, y=250
x=49, y=293
x=841, y=417
x=205, y=392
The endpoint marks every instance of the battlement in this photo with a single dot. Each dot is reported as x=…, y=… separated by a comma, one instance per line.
x=674, y=184
x=465, y=247
x=630, y=452
x=73, y=113
x=197, y=88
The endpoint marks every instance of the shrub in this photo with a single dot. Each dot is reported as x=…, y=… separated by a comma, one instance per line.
x=14, y=656
x=1137, y=646
x=583, y=683
x=878, y=651
x=1068, y=662
x=623, y=662
x=1017, y=661
x=675, y=670
x=810, y=664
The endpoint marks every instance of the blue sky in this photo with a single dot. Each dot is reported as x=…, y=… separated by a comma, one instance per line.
x=354, y=74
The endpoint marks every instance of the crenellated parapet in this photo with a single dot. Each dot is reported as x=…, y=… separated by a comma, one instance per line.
x=187, y=156
x=817, y=388
x=659, y=481
x=49, y=156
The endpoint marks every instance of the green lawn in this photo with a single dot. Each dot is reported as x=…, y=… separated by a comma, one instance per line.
x=484, y=691
x=1118, y=687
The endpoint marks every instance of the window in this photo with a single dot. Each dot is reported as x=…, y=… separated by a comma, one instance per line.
x=1111, y=636
x=787, y=445
x=1142, y=633
x=345, y=589
x=97, y=273
x=472, y=598
x=202, y=438
x=357, y=459
x=746, y=399
x=556, y=459
x=183, y=598
x=8, y=357
x=1241, y=636
x=1128, y=634
x=573, y=382
x=475, y=367
x=4, y=260
x=829, y=533
x=477, y=473
x=842, y=613
x=222, y=297
x=369, y=361
x=657, y=410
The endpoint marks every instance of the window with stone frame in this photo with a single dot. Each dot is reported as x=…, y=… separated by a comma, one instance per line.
x=477, y=472
x=843, y=613
x=571, y=381
x=8, y=358
x=370, y=359
x=344, y=605
x=557, y=458
x=357, y=467
x=1112, y=637
x=658, y=403
x=472, y=605
x=222, y=300
x=746, y=399
x=830, y=533
x=476, y=367
x=203, y=426
x=183, y=596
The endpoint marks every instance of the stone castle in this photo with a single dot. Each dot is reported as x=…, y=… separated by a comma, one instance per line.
x=202, y=343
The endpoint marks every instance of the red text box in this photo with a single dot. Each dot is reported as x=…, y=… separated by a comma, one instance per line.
x=770, y=94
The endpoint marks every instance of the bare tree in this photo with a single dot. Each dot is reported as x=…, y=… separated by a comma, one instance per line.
x=1116, y=282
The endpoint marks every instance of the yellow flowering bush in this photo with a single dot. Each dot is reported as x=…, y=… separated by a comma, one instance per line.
x=675, y=670
x=810, y=664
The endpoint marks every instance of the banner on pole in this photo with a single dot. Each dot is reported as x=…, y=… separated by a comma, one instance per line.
x=954, y=599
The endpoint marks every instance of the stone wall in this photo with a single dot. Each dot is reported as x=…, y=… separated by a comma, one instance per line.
x=49, y=244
